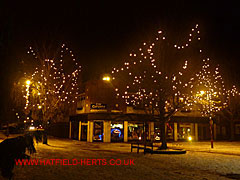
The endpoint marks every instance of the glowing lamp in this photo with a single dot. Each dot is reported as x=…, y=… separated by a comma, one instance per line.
x=28, y=82
x=106, y=78
x=189, y=138
x=202, y=92
x=31, y=128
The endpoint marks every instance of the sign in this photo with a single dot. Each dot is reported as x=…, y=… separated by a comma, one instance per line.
x=98, y=106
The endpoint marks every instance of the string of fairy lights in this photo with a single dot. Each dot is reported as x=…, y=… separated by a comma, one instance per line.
x=146, y=54
x=206, y=88
x=195, y=33
x=233, y=91
x=50, y=85
x=150, y=46
x=27, y=94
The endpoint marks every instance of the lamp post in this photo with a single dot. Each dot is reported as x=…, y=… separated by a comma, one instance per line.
x=106, y=78
x=210, y=118
x=28, y=82
x=208, y=111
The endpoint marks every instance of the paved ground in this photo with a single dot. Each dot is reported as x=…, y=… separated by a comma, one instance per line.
x=231, y=148
x=192, y=165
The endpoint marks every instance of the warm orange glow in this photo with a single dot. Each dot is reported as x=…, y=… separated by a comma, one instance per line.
x=106, y=78
x=202, y=92
x=28, y=82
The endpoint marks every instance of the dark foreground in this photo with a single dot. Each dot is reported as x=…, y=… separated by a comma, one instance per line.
x=106, y=161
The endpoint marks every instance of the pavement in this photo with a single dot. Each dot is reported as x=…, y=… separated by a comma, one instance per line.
x=219, y=147
x=191, y=166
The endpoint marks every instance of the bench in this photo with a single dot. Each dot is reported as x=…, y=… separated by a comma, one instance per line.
x=146, y=146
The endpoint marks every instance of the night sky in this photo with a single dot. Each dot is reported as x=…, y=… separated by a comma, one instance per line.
x=101, y=34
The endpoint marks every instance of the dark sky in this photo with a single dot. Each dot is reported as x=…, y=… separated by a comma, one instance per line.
x=102, y=33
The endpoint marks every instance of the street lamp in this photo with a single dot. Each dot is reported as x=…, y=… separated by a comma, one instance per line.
x=106, y=78
x=208, y=99
x=28, y=82
x=202, y=92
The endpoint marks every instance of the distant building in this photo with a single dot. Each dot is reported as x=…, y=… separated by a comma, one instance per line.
x=100, y=116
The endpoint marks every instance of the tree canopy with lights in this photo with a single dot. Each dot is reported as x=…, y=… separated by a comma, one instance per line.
x=207, y=92
x=50, y=89
x=232, y=112
x=155, y=77
x=208, y=89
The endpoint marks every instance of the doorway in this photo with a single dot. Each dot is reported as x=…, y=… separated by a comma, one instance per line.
x=84, y=133
x=98, y=131
x=74, y=130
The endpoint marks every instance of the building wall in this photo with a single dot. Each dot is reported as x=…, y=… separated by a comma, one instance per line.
x=176, y=131
x=75, y=129
x=101, y=92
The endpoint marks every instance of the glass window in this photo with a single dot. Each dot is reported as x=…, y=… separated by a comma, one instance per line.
x=117, y=132
x=185, y=131
x=169, y=131
x=135, y=131
x=98, y=131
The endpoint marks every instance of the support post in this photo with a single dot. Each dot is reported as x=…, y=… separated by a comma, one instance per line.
x=211, y=130
x=125, y=131
x=196, y=131
x=175, y=132
x=70, y=129
x=79, y=130
x=90, y=131
x=107, y=131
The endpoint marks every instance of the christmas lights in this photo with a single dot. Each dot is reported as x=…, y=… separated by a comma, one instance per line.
x=147, y=82
x=51, y=89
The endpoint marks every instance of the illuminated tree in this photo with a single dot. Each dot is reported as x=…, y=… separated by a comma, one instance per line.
x=208, y=92
x=151, y=79
x=232, y=112
x=51, y=90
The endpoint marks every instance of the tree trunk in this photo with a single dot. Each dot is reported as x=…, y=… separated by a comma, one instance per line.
x=163, y=136
x=232, y=137
x=7, y=131
x=211, y=131
x=44, y=138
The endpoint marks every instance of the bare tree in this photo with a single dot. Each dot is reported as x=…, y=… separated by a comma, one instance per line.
x=51, y=88
x=232, y=112
x=152, y=79
x=208, y=92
